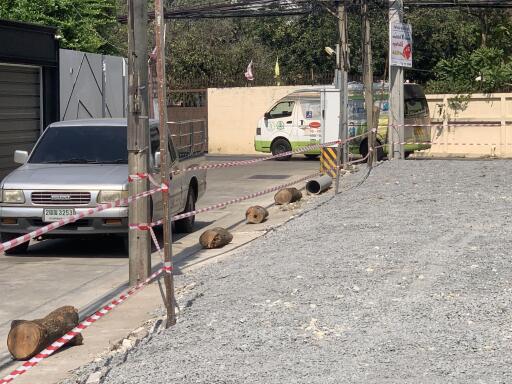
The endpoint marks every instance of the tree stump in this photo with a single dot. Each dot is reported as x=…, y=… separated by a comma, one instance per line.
x=256, y=214
x=287, y=196
x=215, y=238
x=29, y=337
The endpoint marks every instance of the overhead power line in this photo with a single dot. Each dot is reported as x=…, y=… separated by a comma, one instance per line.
x=266, y=8
x=485, y=4
x=241, y=8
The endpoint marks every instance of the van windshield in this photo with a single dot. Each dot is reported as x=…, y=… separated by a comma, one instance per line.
x=282, y=109
x=82, y=145
x=416, y=107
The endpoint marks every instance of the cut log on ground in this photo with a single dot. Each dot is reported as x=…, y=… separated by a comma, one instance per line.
x=287, y=196
x=256, y=214
x=215, y=238
x=29, y=337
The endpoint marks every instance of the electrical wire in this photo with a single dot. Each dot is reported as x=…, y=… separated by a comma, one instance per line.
x=267, y=8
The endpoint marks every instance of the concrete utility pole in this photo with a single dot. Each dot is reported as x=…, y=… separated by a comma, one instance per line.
x=368, y=81
x=165, y=160
x=396, y=94
x=138, y=137
x=342, y=83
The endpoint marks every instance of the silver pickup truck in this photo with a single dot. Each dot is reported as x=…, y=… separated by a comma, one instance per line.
x=76, y=165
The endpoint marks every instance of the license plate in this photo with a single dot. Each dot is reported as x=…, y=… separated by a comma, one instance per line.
x=55, y=214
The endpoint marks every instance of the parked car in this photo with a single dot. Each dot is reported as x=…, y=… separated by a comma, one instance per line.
x=297, y=120
x=76, y=165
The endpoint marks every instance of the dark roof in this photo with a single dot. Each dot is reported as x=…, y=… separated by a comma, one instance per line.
x=29, y=26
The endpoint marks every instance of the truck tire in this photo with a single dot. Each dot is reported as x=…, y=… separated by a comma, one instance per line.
x=19, y=249
x=186, y=225
x=363, y=149
x=279, y=146
x=311, y=156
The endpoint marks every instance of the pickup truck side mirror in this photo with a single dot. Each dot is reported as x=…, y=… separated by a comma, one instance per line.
x=20, y=157
x=157, y=159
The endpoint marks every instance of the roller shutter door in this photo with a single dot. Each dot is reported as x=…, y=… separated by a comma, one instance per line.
x=20, y=115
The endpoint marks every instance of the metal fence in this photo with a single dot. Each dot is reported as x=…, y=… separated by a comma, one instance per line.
x=189, y=137
x=213, y=80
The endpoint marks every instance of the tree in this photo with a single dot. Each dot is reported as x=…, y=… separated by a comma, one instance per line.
x=483, y=70
x=84, y=25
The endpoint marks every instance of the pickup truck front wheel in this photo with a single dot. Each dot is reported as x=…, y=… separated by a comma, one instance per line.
x=186, y=225
x=19, y=249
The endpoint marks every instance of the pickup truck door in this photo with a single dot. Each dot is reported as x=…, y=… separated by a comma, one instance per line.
x=175, y=184
x=175, y=180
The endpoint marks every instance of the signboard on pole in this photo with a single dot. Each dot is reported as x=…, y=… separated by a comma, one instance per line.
x=400, y=45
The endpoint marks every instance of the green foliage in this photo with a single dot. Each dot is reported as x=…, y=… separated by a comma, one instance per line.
x=84, y=25
x=445, y=42
x=451, y=47
x=483, y=70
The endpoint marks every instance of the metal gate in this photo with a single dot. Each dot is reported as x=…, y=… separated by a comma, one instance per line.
x=91, y=85
x=20, y=111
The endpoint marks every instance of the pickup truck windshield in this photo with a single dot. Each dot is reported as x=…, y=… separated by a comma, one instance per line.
x=82, y=145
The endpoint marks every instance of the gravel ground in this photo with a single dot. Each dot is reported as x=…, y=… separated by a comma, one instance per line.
x=405, y=278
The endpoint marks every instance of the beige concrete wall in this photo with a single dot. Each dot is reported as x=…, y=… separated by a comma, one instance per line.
x=490, y=134
x=233, y=115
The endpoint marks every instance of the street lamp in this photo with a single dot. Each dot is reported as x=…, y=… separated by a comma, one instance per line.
x=330, y=51
x=337, y=72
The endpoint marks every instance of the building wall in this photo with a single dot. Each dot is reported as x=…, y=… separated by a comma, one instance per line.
x=29, y=87
x=233, y=114
x=478, y=126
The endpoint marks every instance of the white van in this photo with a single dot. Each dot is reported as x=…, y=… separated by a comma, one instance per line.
x=294, y=121
x=299, y=119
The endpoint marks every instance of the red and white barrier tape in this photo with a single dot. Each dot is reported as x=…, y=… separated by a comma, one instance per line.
x=59, y=343
x=167, y=264
x=137, y=176
x=228, y=164
x=145, y=227
x=71, y=219
x=440, y=143
x=449, y=125
x=142, y=176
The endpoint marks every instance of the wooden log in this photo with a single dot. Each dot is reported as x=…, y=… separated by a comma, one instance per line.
x=287, y=196
x=29, y=337
x=256, y=214
x=215, y=238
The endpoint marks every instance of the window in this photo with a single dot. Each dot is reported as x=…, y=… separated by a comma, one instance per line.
x=311, y=109
x=154, y=139
x=356, y=110
x=282, y=109
x=416, y=107
x=172, y=149
x=82, y=145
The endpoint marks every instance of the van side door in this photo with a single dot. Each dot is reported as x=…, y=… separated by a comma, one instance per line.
x=309, y=116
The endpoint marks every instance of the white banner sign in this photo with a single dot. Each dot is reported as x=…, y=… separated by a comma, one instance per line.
x=400, y=41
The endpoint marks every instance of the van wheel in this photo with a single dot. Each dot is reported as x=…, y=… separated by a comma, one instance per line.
x=186, y=225
x=311, y=156
x=280, y=146
x=17, y=250
x=363, y=149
